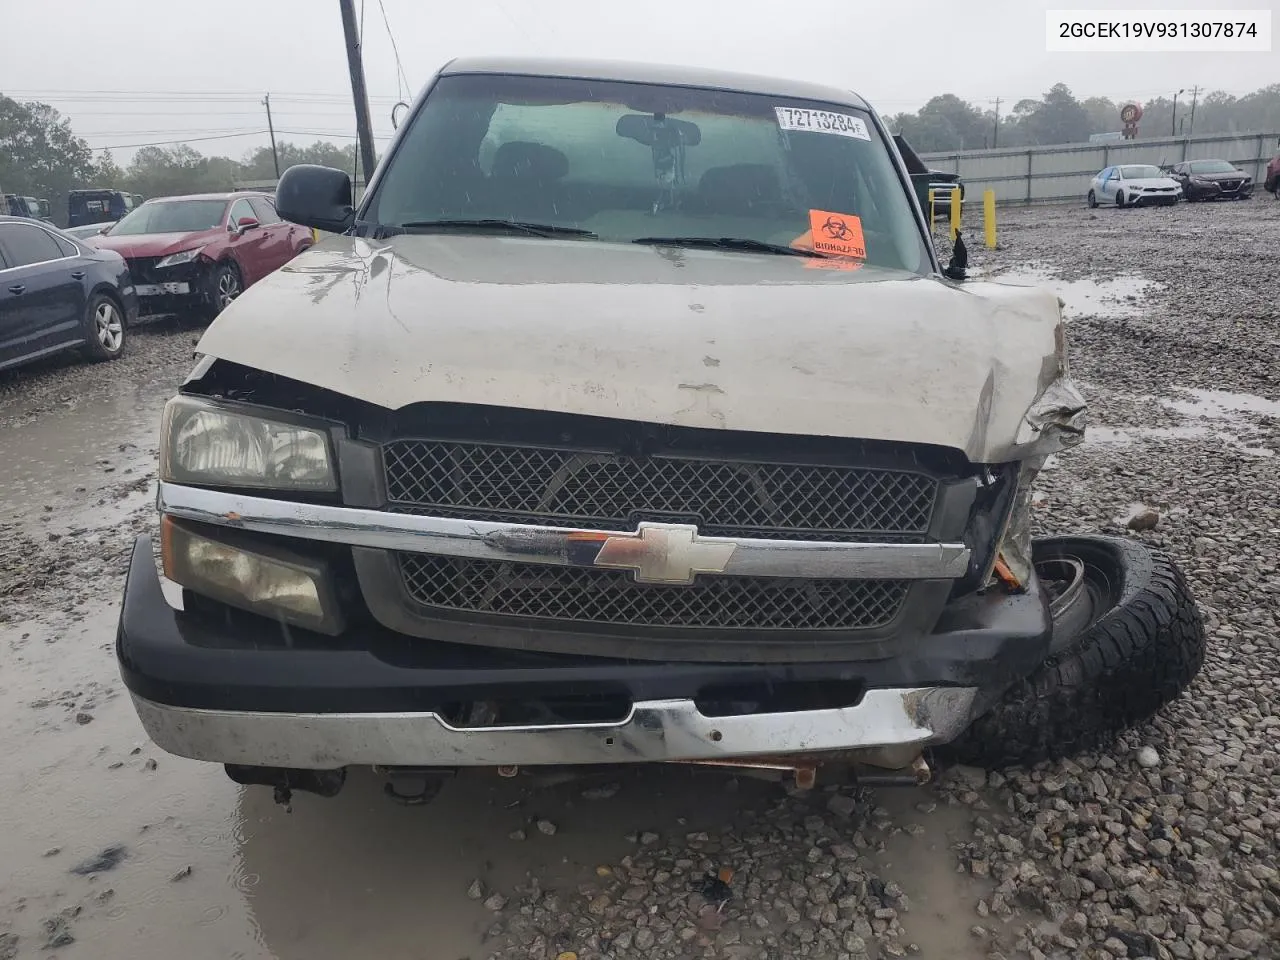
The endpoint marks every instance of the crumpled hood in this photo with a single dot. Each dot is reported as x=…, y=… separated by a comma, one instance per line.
x=690, y=338
x=154, y=244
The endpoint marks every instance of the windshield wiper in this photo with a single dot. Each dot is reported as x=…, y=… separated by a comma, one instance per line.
x=513, y=226
x=731, y=243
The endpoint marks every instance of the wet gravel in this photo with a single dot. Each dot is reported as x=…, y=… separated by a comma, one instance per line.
x=1164, y=846
x=1161, y=846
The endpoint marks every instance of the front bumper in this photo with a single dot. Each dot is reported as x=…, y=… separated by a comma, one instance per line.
x=1156, y=199
x=653, y=731
x=241, y=689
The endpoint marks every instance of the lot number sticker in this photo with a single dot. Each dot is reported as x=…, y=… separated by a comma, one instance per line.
x=820, y=121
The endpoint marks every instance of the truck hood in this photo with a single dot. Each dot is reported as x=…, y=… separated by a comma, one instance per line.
x=154, y=244
x=694, y=338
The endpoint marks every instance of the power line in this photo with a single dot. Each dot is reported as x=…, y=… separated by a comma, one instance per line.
x=400, y=76
x=165, y=143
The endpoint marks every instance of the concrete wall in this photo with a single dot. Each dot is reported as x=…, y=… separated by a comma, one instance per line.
x=1054, y=173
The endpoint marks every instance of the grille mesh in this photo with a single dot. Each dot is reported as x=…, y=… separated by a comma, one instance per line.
x=610, y=596
x=723, y=497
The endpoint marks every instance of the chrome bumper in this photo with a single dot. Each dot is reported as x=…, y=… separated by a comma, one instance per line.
x=655, y=731
x=655, y=553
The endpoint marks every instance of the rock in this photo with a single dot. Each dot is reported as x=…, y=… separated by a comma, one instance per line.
x=1148, y=758
x=973, y=778
x=84, y=717
x=602, y=792
x=648, y=839
x=475, y=891
x=108, y=859
x=1069, y=888
x=150, y=764
x=517, y=835
x=8, y=946
x=181, y=874
x=842, y=805
x=495, y=902
x=546, y=827
x=1142, y=900
x=644, y=938
x=1251, y=941
x=1146, y=518
x=1115, y=947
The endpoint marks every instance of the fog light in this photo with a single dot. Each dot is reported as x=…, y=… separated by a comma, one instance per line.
x=257, y=579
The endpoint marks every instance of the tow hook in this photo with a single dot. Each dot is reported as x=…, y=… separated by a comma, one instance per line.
x=413, y=786
x=285, y=780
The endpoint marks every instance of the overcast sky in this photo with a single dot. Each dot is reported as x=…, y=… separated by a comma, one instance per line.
x=134, y=71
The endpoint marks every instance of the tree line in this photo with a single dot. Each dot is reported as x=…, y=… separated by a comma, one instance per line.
x=949, y=123
x=41, y=156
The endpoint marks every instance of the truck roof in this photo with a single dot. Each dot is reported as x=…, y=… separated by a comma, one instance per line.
x=636, y=72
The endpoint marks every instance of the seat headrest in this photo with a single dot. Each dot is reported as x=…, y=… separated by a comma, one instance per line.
x=527, y=160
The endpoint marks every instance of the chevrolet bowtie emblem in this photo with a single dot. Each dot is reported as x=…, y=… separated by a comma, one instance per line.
x=665, y=553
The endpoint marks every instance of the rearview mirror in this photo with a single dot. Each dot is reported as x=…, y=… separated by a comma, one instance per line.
x=655, y=129
x=314, y=196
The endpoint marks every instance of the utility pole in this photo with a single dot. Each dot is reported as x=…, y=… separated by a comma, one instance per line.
x=1195, y=93
x=995, y=133
x=1173, y=123
x=355, y=64
x=275, y=156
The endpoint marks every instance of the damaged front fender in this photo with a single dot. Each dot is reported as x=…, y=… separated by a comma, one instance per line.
x=1054, y=422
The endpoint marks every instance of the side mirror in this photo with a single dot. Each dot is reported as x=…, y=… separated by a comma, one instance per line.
x=314, y=196
x=245, y=224
x=957, y=268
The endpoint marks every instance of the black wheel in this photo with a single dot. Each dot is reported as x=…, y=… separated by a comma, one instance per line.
x=224, y=285
x=1128, y=639
x=1120, y=199
x=1093, y=200
x=104, y=333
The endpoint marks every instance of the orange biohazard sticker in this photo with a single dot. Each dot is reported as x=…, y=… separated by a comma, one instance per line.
x=837, y=233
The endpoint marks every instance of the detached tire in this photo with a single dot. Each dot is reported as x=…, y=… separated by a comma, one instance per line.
x=1131, y=640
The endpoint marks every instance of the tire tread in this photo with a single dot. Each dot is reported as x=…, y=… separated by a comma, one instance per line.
x=1138, y=657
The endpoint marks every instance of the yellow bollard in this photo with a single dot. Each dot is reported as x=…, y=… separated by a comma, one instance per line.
x=955, y=212
x=989, y=217
x=931, y=211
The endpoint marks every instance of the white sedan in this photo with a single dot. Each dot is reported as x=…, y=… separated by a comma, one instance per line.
x=1134, y=184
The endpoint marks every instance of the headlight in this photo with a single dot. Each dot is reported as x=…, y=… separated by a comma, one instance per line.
x=203, y=443
x=259, y=579
x=174, y=259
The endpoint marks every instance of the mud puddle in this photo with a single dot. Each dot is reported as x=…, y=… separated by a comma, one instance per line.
x=195, y=866
x=1114, y=297
x=94, y=444
x=1230, y=418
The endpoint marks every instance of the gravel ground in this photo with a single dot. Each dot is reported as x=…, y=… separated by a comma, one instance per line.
x=1161, y=846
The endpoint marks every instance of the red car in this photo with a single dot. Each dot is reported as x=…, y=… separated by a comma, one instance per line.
x=198, y=253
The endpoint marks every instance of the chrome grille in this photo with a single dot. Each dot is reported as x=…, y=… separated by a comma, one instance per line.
x=535, y=591
x=554, y=487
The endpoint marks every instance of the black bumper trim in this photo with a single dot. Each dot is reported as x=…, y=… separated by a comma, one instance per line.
x=198, y=660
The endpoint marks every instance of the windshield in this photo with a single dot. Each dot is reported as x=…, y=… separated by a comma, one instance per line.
x=628, y=162
x=1139, y=171
x=172, y=216
x=1212, y=166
